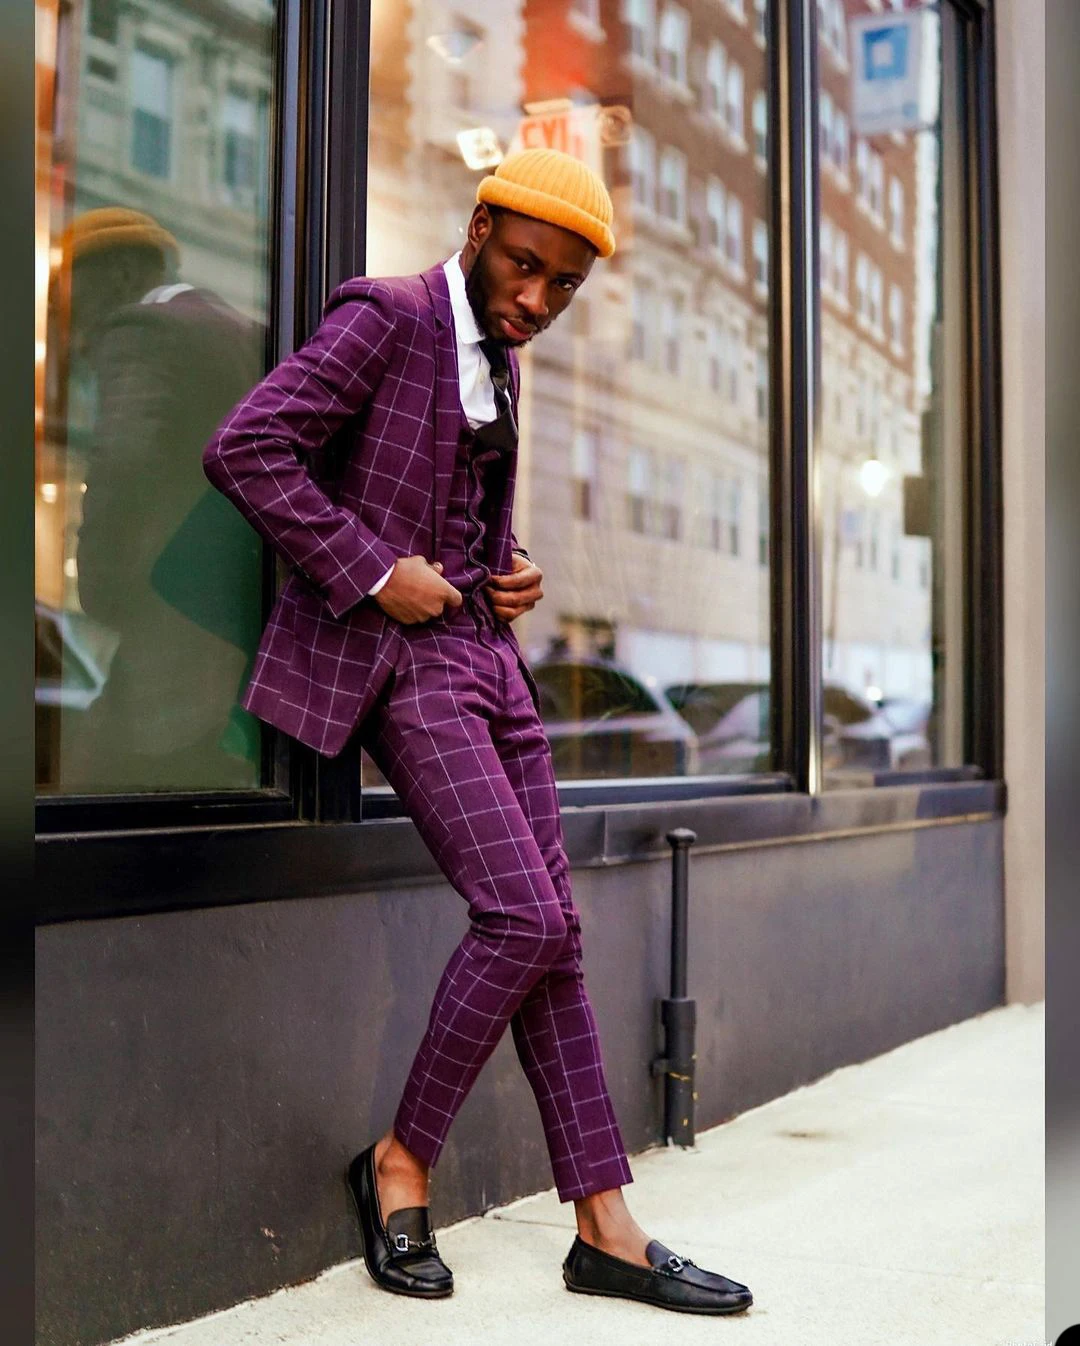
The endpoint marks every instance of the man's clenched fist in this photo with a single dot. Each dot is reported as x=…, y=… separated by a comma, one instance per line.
x=513, y=594
x=416, y=591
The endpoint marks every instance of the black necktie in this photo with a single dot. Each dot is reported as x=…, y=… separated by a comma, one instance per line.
x=495, y=353
x=503, y=430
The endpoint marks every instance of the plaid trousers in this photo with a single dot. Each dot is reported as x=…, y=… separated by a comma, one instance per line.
x=458, y=736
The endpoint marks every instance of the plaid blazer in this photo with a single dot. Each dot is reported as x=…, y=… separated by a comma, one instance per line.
x=342, y=458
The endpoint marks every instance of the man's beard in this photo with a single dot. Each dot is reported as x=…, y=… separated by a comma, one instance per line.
x=478, y=291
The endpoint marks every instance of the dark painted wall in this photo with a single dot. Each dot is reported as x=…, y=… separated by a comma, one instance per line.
x=203, y=1076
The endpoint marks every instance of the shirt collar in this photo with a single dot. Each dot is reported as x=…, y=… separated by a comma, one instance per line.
x=465, y=325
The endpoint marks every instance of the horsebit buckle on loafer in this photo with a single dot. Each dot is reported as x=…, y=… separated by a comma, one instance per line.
x=676, y=1263
x=402, y=1243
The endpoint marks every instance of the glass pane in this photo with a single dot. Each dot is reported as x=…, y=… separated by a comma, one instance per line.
x=892, y=420
x=643, y=460
x=152, y=270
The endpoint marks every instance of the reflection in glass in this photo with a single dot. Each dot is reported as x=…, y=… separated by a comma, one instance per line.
x=888, y=636
x=152, y=248
x=644, y=434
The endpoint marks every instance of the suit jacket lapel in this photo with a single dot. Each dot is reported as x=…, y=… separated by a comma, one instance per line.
x=447, y=398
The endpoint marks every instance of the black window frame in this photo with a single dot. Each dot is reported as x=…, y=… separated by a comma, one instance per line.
x=246, y=845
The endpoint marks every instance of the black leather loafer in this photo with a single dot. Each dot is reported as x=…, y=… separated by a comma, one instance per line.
x=671, y=1282
x=401, y=1254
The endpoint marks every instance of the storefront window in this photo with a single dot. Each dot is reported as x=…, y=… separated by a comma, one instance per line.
x=644, y=440
x=892, y=611
x=152, y=281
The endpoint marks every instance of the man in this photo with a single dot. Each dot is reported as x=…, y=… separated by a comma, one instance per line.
x=397, y=622
x=166, y=360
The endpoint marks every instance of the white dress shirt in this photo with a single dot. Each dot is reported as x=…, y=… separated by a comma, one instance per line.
x=474, y=373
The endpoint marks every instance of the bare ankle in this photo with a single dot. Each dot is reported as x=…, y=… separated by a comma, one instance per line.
x=393, y=1159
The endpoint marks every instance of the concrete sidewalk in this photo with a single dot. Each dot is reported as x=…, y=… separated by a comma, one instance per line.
x=897, y=1202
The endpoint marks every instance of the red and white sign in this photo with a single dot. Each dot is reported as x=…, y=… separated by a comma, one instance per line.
x=573, y=130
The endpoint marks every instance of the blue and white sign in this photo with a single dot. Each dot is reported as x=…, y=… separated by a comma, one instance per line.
x=886, y=52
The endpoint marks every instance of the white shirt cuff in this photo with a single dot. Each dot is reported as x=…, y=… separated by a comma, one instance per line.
x=379, y=583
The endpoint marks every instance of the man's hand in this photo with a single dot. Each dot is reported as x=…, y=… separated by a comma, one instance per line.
x=513, y=594
x=416, y=591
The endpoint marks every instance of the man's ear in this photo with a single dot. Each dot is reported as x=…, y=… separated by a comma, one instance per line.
x=481, y=223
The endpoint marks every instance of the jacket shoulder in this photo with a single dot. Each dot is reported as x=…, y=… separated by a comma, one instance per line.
x=403, y=299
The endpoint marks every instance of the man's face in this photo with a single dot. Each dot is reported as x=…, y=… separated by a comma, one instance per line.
x=524, y=273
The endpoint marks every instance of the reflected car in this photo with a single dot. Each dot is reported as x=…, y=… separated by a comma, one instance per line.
x=731, y=720
x=602, y=722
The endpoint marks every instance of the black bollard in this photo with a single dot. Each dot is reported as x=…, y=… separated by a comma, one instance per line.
x=678, y=1013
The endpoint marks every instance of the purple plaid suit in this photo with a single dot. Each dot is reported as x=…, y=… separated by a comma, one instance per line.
x=447, y=708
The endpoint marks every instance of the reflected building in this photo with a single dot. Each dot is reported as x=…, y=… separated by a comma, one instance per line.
x=157, y=111
x=643, y=487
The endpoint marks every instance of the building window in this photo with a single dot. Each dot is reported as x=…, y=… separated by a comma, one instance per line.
x=465, y=81
x=643, y=168
x=639, y=491
x=734, y=516
x=840, y=266
x=102, y=20
x=761, y=19
x=583, y=470
x=710, y=519
x=716, y=209
x=840, y=142
x=245, y=147
x=149, y=586
x=763, y=525
x=671, y=324
x=826, y=255
x=825, y=127
x=642, y=321
x=151, y=99
x=732, y=348
x=735, y=122
x=669, y=524
x=734, y=232
x=862, y=287
x=896, y=211
x=640, y=19
x=673, y=185
x=761, y=127
x=877, y=187
x=876, y=301
x=674, y=32
x=762, y=386
x=737, y=8
x=862, y=171
x=896, y=318
x=716, y=349
x=715, y=79
x=761, y=254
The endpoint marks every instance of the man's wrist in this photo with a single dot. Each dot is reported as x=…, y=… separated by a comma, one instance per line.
x=380, y=582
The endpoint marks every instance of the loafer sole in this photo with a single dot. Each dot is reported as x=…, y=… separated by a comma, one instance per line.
x=657, y=1303
x=386, y=1285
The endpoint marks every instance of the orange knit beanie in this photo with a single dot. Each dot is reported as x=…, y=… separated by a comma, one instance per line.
x=115, y=226
x=556, y=187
